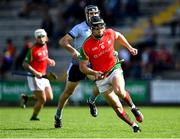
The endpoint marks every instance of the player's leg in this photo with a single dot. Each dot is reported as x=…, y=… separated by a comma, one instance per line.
x=48, y=91
x=63, y=99
x=74, y=75
x=41, y=99
x=119, y=88
x=37, y=86
x=91, y=102
x=26, y=98
x=34, y=84
x=114, y=101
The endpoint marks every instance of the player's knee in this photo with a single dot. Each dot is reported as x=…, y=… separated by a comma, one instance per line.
x=50, y=98
x=42, y=100
x=120, y=92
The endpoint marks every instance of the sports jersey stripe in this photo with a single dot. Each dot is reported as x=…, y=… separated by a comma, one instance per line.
x=70, y=65
x=71, y=35
x=83, y=47
x=31, y=57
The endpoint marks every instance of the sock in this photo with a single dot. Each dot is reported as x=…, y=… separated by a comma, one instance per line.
x=125, y=117
x=134, y=124
x=92, y=99
x=59, y=113
x=128, y=100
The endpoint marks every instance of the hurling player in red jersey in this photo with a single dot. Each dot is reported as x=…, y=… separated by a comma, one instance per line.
x=36, y=62
x=98, y=49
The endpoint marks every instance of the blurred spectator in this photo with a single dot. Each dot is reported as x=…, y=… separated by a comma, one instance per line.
x=74, y=12
x=175, y=23
x=132, y=9
x=147, y=63
x=135, y=72
x=35, y=5
x=112, y=9
x=164, y=60
x=150, y=34
x=8, y=58
x=48, y=25
x=124, y=54
x=177, y=55
x=60, y=27
x=23, y=52
x=4, y=3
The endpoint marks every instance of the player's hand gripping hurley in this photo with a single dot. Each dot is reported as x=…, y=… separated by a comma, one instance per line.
x=50, y=76
x=104, y=75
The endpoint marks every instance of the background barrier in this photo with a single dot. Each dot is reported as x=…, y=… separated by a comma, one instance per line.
x=10, y=92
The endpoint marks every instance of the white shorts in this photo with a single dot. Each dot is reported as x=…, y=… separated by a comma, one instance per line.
x=106, y=83
x=38, y=84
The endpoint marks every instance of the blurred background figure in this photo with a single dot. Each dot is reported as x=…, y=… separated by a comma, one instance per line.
x=132, y=9
x=150, y=36
x=48, y=25
x=165, y=60
x=22, y=54
x=40, y=6
x=8, y=58
x=147, y=63
x=175, y=23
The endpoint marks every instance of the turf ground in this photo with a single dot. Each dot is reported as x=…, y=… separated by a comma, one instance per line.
x=159, y=122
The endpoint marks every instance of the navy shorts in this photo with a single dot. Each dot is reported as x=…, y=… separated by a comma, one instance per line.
x=74, y=74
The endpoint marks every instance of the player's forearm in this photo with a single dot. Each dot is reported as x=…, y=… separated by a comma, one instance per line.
x=65, y=43
x=50, y=62
x=86, y=70
x=29, y=68
x=69, y=48
x=123, y=41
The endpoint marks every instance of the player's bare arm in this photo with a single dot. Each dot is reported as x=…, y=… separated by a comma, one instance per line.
x=51, y=62
x=32, y=70
x=88, y=71
x=122, y=40
x=66, y=42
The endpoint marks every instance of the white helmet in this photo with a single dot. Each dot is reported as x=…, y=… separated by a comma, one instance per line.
x=89, y=9
x=39, y=32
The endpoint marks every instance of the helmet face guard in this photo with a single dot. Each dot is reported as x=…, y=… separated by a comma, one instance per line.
x=97, y=23
x=90, y=9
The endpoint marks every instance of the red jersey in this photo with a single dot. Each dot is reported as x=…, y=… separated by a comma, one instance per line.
x=37, y=57
x=100, y=53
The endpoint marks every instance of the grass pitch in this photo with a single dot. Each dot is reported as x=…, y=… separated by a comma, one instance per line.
x=159, y=122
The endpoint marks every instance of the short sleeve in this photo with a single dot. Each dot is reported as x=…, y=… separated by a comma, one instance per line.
x=83, y=56
x=28, y=56
x=74, y=32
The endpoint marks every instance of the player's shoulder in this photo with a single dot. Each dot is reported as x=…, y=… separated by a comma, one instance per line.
x=109, y=30
x=33, y=47
x=81, y=25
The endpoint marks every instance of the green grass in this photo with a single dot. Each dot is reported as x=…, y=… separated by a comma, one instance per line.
x=159, y=122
